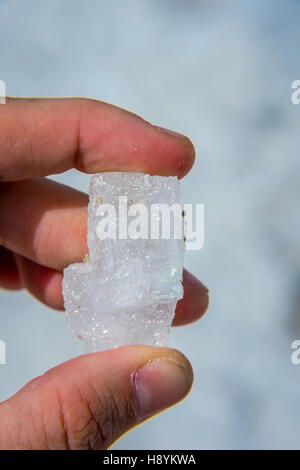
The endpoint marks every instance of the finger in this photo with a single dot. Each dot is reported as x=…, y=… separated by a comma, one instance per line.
x=44, y=221
x=9, y=275
x=90, y=401
x=47, y=136
x=45, y=284
x=194, y=303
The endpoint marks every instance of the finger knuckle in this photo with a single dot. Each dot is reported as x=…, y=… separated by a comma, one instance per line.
x=93, y=421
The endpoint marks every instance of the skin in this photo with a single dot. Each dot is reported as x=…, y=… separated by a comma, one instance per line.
x=90, y=401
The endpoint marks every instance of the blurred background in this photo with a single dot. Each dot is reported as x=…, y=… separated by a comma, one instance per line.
x=221, y=72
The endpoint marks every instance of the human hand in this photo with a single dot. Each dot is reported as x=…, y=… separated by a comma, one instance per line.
x=91, y=400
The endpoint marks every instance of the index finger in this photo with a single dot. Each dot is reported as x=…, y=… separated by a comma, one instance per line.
x=40, y=137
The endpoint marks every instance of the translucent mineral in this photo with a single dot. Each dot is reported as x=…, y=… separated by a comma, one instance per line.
x=125, y=291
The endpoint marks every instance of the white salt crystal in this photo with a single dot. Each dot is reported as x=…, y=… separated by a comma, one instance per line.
x=126, y=292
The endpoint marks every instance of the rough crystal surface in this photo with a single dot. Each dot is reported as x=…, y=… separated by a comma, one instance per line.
x=126, y=291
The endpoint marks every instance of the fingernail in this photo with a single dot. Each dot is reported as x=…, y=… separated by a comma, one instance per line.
x=193, y=282
x=172, y=133
x=158, y=385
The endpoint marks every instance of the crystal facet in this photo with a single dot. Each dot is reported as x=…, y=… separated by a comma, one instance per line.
x=126, y=290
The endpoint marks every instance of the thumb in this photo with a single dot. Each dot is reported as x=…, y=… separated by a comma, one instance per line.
x=90, y=401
